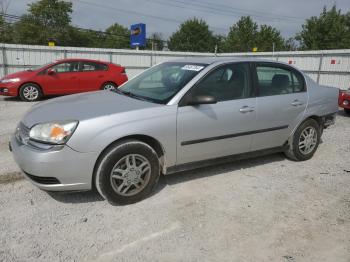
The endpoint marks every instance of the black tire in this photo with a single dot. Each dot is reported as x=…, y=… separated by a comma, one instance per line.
x=109, y=86
x=30, y=92
x=294, y=152
x=347, y=111
x=104, y=182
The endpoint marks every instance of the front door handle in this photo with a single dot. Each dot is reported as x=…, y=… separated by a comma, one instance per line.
x=296, y=103
x=246, y=109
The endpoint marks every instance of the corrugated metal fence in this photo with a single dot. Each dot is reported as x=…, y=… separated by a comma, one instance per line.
x=326, y=67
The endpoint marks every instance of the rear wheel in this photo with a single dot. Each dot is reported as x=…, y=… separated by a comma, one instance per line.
x=109, y=86
x=127, y=172
x=305, y=141
x=30, y=92
x=347, y=111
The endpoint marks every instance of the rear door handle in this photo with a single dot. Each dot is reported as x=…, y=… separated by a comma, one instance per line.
x=246, y=109
x=296, y=103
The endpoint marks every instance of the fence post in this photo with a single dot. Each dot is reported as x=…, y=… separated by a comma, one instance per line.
x=65, y=53
x=110, y=57
x=4, y=60
x=319, y=69
x=151, y=58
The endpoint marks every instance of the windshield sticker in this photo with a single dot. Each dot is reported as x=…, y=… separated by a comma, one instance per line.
x=192, y=67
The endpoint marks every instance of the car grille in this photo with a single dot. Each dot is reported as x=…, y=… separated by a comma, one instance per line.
x=44, y=180
x=22, y=133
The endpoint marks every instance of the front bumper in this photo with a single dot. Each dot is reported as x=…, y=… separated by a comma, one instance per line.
x=55, y=170
x=8, y=89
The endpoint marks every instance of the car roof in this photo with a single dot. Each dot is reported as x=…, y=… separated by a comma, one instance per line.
x=81, y=59
x=213, y=59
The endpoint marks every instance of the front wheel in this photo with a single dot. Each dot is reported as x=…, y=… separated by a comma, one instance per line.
x=347, y=111
x=305, y=141
x=127, y=172
x=30, y=92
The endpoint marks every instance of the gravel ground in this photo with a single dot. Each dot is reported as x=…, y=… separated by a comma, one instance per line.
x=263, y=209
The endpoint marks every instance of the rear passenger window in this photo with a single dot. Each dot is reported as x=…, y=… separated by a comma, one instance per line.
x=278, y=81
x=91, y=66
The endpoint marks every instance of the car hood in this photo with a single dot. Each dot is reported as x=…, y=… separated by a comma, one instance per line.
x=20, y=74
x=83, y=106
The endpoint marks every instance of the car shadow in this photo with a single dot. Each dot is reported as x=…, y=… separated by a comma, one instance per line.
x=218, y=169
x=76, y=197
x=175, y=178
x=12, y=99
x=342, y=113
x=18, y=99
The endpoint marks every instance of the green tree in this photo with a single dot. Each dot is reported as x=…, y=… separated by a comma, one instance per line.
x=242, y=36
x=5, y=31
x=331, y=30
x=45, y=19
x=267, y=37
x=117, y=36
x=193, y=35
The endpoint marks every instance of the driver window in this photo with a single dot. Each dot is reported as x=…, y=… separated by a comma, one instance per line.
x=228, y=82
x=66, y=67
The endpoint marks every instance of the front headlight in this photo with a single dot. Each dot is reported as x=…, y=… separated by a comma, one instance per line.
x=10, y=80
x=54, y=133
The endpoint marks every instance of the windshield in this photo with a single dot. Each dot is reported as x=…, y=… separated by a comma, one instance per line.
x=162, y=82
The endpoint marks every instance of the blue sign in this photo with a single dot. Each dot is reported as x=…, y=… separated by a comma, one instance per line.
x=138, y=35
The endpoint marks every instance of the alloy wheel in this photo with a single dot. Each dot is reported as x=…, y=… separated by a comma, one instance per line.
x=109, y=87
x=130, y=175
x=307, y=140
x=30, y=93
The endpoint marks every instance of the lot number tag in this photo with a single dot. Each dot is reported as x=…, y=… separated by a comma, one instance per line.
x=192, y=67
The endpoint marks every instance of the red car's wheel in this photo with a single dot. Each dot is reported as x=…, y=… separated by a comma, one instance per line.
x=30, y=92
x=347, y=111
x=109, y=86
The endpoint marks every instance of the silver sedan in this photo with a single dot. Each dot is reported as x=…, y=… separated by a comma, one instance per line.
x=174, y=116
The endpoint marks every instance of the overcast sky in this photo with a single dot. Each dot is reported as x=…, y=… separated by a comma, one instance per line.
x=164, y=16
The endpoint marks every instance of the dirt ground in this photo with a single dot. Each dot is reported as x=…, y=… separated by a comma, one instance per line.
x=263, y=209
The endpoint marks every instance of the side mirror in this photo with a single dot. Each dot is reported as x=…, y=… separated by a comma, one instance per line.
x=51, y=71
x=201, y=100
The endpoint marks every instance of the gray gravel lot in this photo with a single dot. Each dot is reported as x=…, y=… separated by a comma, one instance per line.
x=263, y=209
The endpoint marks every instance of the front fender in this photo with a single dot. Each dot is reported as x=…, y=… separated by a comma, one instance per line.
x=94, y=135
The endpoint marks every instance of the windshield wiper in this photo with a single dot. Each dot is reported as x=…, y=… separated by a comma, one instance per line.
x=127, y=93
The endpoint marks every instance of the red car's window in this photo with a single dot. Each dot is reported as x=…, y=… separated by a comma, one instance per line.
x=66, y=67
x=91, y=66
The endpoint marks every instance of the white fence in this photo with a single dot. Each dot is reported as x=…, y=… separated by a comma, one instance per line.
x=326, y=67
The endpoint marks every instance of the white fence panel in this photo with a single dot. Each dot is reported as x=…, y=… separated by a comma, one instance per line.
x=341, y=81
x=132, y=60
x=95, y=56
x=32, y=57
x=336, y=63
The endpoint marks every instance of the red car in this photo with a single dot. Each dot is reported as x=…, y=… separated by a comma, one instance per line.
x=344, y=100
x=67, y=76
